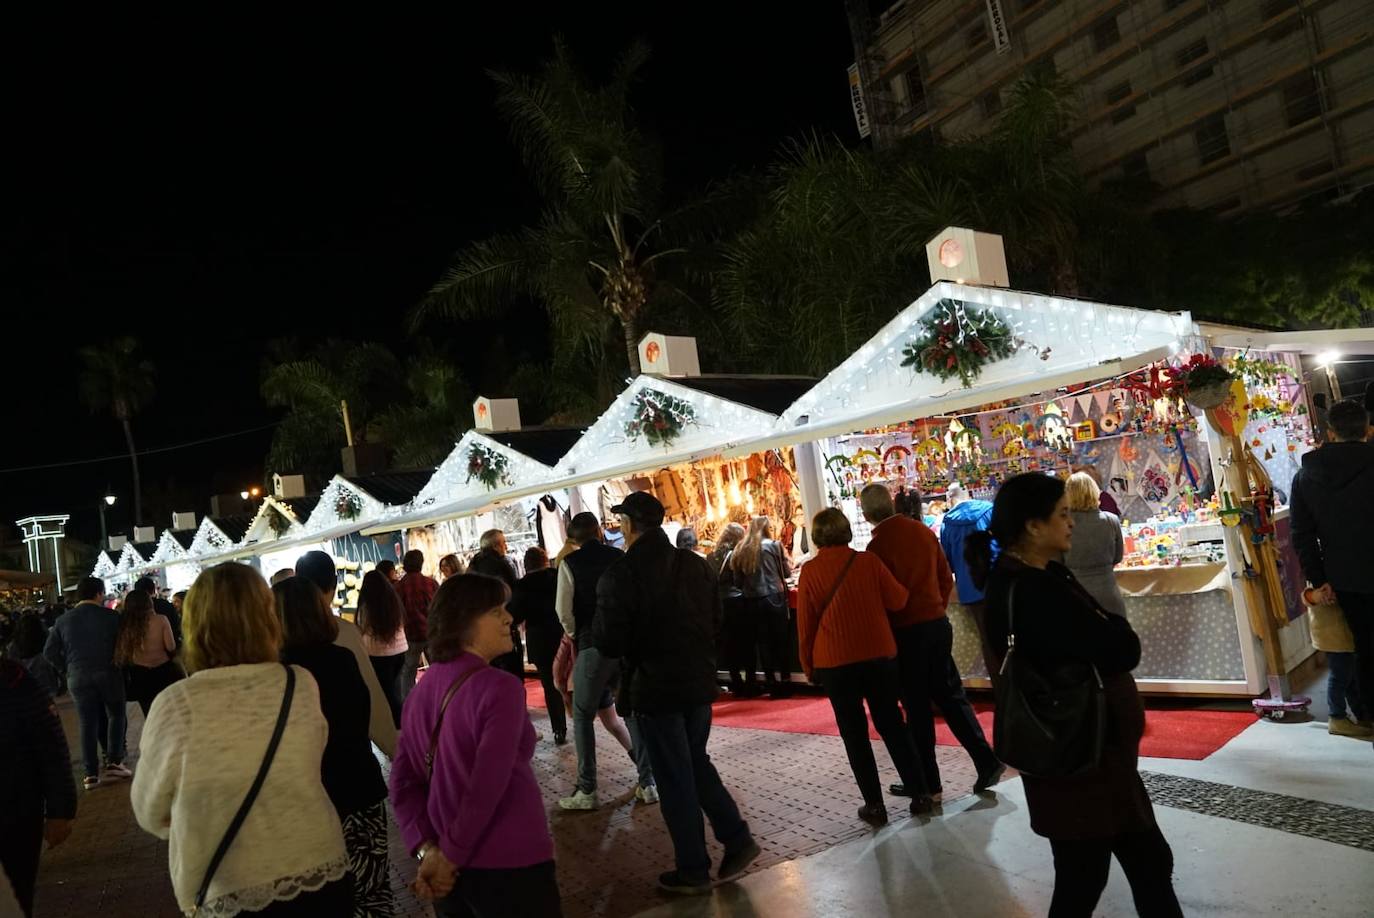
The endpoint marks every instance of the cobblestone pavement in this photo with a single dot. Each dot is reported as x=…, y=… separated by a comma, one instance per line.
x=795, y=790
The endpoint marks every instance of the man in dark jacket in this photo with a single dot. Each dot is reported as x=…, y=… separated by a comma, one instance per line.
x=490, y=561
x=1332, y=504
x=594, y=673
x=659, y=609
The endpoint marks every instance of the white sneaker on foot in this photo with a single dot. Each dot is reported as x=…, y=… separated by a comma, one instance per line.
x=580, y=800
x=647, y=795
x=91, y=783
x=118, y=771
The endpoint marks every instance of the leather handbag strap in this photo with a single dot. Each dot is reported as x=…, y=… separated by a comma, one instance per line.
x=242, y=814
x=836, y=588
x=439, y=722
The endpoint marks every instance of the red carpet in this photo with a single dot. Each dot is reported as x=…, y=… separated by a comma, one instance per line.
x=1169, y=734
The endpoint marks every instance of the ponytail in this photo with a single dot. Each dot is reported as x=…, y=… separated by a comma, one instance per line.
x=978, y=557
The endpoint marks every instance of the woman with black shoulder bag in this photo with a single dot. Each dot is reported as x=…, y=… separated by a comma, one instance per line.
x=1068, y=714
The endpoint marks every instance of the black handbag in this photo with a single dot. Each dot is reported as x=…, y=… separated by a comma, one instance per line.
x=1050, y=722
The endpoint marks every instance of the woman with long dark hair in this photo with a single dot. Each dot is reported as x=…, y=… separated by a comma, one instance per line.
x=1057, y=624
x=144, y=649
x=381, y=619
x=758, y=568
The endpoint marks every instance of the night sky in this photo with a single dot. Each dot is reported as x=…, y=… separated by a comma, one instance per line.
x=207, y=186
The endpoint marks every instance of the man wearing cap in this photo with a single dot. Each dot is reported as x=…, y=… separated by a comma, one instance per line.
x=659, y=610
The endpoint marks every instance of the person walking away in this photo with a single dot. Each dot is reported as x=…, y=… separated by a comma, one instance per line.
x=382, y=621
x=466, y=799
x=416, y=590
x=318, y=568
x=759, y=569
x=658, y=609
x=1098, y=545
x=352, y=778
x=925, y=641
x=1332, y=503
x=37, y=796
x=163, y=607
x=532, y=602
x=81, y=647
x=27, y=650
x=449, y=566
x=491, y=561
x=846, y=646
x=144, y=649
x=1347, y=713
x=594, y=672
x=207, y=740
x=1059, y=625
x=964, y=517
x=737, y=640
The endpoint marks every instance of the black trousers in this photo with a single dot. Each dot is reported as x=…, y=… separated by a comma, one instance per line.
x=1359, y=614
x=773, y=637
x=20, y=846
x=145, y=683
x=388, y=670
x=925, y=656
x=1081, y=868
x=739, y=630
x=519, y=892
x=874, y=681
x=542, y=649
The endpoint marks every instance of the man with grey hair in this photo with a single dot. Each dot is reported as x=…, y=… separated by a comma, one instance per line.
x=925, y=639
x=491, y=561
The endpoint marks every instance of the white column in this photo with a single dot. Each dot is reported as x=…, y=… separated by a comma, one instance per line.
x=809, y=478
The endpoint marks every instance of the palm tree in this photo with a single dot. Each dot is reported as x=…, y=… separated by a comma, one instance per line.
x=423, y=428
x=605, y=250
x=116, y=379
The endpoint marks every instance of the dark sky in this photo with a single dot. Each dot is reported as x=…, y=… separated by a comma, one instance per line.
x=208, y=185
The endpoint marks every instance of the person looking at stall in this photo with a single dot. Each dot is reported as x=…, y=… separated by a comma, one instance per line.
x=1098, y=545
x=964, y=517
x=382, y=621
x=532, y=601
x=416, y=591
x=925, y=640
x=449, y=566
x=758, y=568
x=846, y=646
x=1061, y=631
x=737, y=637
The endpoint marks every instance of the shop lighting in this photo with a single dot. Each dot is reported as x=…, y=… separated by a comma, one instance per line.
x=1326, y=358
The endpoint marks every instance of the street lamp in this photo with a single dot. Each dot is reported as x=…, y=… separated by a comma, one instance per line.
x=107, y=501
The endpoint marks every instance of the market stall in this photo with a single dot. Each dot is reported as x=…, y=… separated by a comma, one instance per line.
x=174, y=546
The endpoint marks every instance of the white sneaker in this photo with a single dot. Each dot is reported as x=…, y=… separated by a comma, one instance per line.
x=647, y=795
x=118, y=771
x=581, y=800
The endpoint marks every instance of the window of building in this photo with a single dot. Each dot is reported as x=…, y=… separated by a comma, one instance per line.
x=1105, y=34
x=978, y=34
x=1136, y=167
x=916, y=101
x=990, y=103
x=1192, y=52
x=1273, y=9
x=1212, y=142
x=1314, y=170
x=1301, y=99
x=1116, y=94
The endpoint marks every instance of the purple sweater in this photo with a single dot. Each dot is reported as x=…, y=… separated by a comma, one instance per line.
x=483, y=806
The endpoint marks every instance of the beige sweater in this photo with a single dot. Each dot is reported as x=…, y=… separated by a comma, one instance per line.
x=381, y=728
x=201, y=749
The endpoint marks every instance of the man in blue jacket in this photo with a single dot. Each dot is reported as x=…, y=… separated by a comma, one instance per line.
x=81, y=646
x=965, y=517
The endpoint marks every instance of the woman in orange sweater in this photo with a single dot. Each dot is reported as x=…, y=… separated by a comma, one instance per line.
x=846, y=647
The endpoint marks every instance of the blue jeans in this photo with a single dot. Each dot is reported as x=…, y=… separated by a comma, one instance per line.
x=688, y=785
x=593, y=675
x=95, y=693
x=1342, y=688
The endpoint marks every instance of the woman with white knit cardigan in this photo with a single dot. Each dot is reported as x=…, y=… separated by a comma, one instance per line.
x=203, y=745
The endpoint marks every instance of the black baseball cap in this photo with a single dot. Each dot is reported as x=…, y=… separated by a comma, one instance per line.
x=642, y=507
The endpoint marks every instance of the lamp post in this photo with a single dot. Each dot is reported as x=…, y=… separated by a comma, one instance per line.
x=107, y=501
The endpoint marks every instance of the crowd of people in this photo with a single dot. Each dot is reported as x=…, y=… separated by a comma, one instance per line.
x=260, y=768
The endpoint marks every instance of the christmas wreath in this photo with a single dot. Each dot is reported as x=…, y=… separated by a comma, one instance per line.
x=488, y=466
x=279, y=523
x=347, y=505
x=957, y=340
x=658, y=417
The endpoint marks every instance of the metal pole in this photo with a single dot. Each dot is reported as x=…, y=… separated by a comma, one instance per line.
x=104, y=536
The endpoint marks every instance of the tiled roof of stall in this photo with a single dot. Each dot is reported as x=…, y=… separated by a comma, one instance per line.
x=546, y=445
x=235, y=527
x=392, y=488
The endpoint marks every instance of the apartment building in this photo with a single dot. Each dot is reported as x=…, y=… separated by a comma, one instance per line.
x=1226, y=105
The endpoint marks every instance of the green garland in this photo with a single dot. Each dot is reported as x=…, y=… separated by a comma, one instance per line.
x=279, y=523
x=957, y=340
x=347, y=505
x=488, y=466
x=658, y=417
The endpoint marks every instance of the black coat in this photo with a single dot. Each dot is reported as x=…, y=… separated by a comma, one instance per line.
x=1058, y=622
x=658, y=609
x=35, y=768
x=532, y=601
x=1332, y=504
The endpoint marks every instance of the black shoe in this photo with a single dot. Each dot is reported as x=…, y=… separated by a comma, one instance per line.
x=676, y=883
x=899, y=790
x=560, y=739
x=987, y=779
x=922, y=805
x=736, y=862
x=875, y=814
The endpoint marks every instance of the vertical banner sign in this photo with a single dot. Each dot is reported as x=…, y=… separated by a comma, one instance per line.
x=856, y=98
x=1001, y=38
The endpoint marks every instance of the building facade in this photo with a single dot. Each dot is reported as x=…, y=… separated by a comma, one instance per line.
x=1225, y=105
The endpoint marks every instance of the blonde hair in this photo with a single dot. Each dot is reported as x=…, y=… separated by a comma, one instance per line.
x=230, y=617
x=747, y=554
x=1084, y=494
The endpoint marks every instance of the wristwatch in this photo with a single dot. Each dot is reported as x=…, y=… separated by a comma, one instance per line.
x=423, y=850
